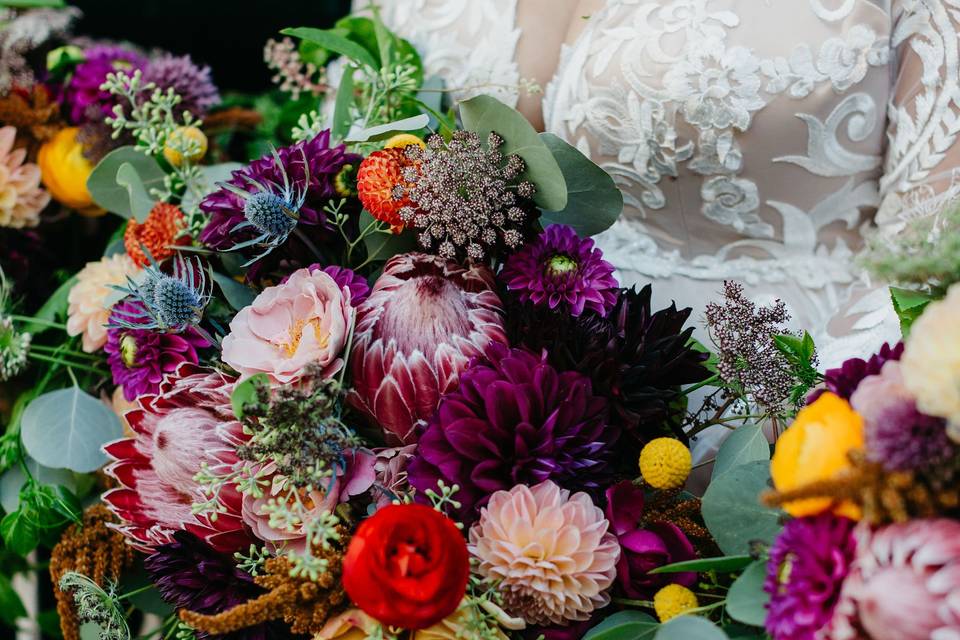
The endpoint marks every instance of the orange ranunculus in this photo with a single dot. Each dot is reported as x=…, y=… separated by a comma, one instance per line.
x=64, y=171
x=816, y=447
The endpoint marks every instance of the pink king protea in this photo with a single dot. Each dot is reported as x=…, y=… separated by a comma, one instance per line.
x=424, y=320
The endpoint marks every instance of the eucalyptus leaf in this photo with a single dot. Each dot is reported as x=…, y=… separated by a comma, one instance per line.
x=53, y=309
x=332, y=40
x=238, y=295
x=746, y=444
x=593, y=200
x=483, y=114
x=114, y=197
x=723, y=564
x=384, y=131
x=382, y=246
x=746, y=600
x=624, y=625
x=67, y=428
x=210, y=175
x=732, y=510
x=140, y=201
x=690, y=628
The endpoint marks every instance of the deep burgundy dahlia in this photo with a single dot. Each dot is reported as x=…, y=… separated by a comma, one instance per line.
x=514, y=419
x=139, y=358
x=189, y=81
x=562, y=271
x=84, y=91
x=226, y=209
x=808, y=563
x=636, y=358
x=190, y=575
x=844, y=380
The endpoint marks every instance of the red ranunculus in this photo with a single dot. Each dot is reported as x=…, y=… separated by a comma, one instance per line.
x=407, y=566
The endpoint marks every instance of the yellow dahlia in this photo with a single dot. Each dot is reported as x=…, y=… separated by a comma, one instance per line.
x=91, y=297
x=931, y=361
x=21, y=198
x=665, y=463
x=673, y=600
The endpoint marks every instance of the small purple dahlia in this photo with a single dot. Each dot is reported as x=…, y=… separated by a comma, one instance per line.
x=190, y=575
x=139, y=358
x=84, y=91
x=844, y=379
x=189, y=81
x=560, y=269
x=808, y=564
x=344, y=277
x=514, y=419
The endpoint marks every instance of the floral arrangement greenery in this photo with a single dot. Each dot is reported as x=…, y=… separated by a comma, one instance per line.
x=345, y=362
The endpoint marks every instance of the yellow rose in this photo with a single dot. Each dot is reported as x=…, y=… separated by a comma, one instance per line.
x=64, y=172
x=815, y=447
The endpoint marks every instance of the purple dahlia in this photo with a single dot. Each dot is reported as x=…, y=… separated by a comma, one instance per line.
x=190, y=575
x=561, y=270
x=83, y=90
x=189, y=81
x=140, y=358
x=844, y=379
x=310, y=167
x=344, y=277
x=808, y=563
x=514, y=419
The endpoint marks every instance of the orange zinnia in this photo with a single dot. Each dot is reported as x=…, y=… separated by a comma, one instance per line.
x=379, y=173
x=159, y=233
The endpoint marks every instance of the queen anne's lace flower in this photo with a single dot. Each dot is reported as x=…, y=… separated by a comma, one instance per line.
x=21, y=198
x=551, y=553
x=91, y=298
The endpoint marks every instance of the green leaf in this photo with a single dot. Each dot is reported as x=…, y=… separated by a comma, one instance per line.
x=360, y=29
x=624, y=625
x=210, y=175
x=737, y=631
x=384, y=131
x=690, y=628
x=67, y=428
x=723, y=564
x=65, y=502
x=732, y=510
x=909, y=306
x=140, y=201
x=146, y=600
x=332, y=40
x=342, y=118
x=246, y=392
x=11, y=607
x=483, y=114
x=746, y=444
x=593, y=200
x=382, y=246
x=238, y=295
x=53, y=309
x=111, y=195
x=13, y=480
x=18, y=533
x=746, y=600
x=49, y=623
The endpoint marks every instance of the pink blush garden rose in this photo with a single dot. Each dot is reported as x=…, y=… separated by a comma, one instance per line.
x=303, y=321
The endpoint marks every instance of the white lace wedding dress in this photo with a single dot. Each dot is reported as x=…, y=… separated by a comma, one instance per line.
x=754, y=140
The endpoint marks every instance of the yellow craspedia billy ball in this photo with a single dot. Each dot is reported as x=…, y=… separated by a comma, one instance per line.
x=665, y=463
x=673, y=600
x=404, y=140
x=185, y=144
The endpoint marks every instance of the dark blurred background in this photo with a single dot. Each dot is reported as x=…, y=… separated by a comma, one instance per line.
x=227, y=35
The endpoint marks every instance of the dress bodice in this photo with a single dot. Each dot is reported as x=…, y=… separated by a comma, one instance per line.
x=753, y=139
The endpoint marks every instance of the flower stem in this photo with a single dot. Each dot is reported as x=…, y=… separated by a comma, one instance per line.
x=67, y=363
x=634, y=603
x=40, y=321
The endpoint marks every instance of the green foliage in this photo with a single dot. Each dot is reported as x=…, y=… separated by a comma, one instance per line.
x=385, y=131
x=484, y=114
x=723, y=564
x=115, y=197
x=42, y=509
x=238, y=295
x=624, y=625
x=746, y=444
x=909, y=306
x=246, y=392
x=689, y=628
x=732, y=511
x=746, y=600
x=924, y=254
x=801, y=355
x=11, y=607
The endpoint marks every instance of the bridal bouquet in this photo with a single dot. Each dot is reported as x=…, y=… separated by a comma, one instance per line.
x=350, y=366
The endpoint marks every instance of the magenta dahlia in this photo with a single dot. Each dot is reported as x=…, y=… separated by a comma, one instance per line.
x=187, y=424
x=139, y=358
x=808, y=563
x=424, y=320
x=561, y=270
x=83, y=90
x=344, y=277
x=844, y=379
x=514, y=419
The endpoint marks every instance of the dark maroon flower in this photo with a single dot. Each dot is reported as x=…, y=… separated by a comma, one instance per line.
x=808, y=563
x=514, y=419
x=139, y=358
x=190, y=575
x=188, y=80
x=84, y=91
x=644, y=548
x=562, y=271
x=573, y=631
x=844, y=380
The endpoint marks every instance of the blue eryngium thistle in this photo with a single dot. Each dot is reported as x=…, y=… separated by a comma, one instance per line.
x=273, y=210
x=169, y=303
